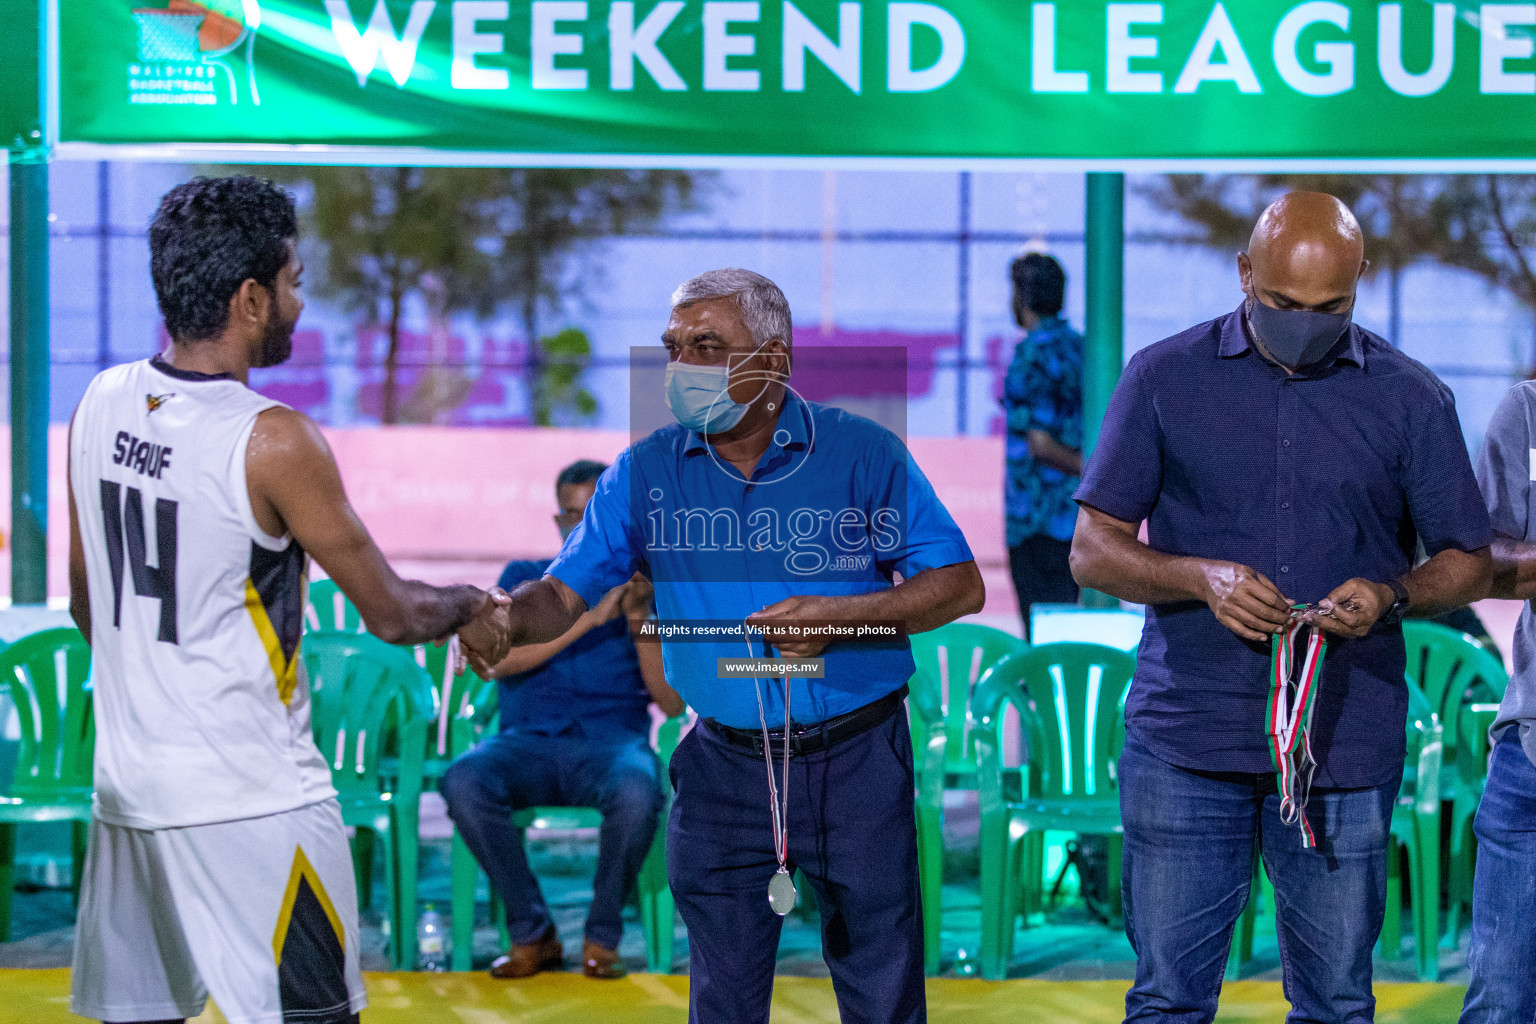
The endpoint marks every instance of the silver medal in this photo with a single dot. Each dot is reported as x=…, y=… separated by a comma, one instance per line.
x=781, y=892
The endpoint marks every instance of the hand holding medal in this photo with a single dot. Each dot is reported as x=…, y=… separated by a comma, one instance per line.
x=1351, y=609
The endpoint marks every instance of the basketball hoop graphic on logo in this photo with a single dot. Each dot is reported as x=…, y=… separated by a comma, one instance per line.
x=184, y=45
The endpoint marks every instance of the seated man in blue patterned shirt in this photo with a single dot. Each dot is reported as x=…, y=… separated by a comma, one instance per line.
x=1043, y=397
x=575, y=731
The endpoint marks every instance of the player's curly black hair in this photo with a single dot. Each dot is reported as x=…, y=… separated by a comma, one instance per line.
x=208, y=236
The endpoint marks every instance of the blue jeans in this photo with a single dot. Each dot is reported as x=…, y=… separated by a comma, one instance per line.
x=1502, y=955
x=1189, y=844
x=513, y=771
x=851, y=832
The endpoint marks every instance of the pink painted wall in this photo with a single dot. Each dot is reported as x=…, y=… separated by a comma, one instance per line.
x=450, y=504
x=453, y=504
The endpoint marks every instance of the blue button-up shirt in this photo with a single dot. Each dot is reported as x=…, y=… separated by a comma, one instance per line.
x=1043, y=390
x=835, y=506
x=593, y=689
x=1312, y=479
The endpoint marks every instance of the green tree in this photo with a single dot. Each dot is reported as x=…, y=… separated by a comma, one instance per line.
x=476, y=240
x=1486, y=224
x=376, y=234
x=1397, y=215
x=559, y=390
x=547, y=227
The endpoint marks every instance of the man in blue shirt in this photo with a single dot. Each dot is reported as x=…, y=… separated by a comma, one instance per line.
x=760, y=509
x=575, y=732
x=1278, y=454
x=1043, y=399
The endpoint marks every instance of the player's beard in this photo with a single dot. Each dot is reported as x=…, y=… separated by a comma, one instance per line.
x=276, y=341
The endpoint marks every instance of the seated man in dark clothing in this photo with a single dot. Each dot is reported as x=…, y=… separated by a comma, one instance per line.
x=575, y=732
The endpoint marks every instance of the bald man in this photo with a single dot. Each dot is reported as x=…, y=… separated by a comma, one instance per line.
x=1280, y=455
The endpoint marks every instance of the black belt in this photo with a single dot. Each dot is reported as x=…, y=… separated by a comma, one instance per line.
x=808, y=739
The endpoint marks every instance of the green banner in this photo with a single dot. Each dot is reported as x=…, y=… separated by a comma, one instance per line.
x=632, y=80
x=21, y=46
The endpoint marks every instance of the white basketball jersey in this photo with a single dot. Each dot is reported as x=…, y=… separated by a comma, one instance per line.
x=201, y=703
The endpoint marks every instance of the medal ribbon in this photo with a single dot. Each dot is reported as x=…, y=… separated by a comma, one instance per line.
x=778, y=795
x=1288, y=719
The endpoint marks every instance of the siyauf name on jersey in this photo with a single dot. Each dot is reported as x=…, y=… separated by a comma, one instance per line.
x=142, y=456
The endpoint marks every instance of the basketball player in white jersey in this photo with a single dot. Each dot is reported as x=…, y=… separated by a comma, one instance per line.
x=218, y=862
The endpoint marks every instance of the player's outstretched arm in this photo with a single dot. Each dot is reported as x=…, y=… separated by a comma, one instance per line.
x=296, y=488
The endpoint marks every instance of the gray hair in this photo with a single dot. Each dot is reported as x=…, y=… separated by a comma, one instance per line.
x=763, y=307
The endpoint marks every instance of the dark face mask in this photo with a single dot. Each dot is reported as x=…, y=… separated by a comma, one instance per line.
x=1296, y=337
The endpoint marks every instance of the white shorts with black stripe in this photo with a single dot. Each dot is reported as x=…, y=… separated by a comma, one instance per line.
x=260, y=914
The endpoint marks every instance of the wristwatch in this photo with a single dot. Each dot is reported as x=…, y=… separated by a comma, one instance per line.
x=1399, y=607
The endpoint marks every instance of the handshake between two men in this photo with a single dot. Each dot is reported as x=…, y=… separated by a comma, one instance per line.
x=490, y=635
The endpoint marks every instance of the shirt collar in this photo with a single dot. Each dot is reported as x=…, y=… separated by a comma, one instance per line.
x=1234, y=340
x=793, y=428
x=159, y=363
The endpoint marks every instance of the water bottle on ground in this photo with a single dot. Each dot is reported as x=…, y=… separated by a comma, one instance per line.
x=431, y=941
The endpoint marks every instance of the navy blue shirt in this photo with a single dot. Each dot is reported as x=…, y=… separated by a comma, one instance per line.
x=1312, y=479
x=835, y=506
x=593, y=689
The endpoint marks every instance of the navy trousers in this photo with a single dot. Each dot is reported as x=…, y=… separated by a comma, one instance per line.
x=852, y=833
x=512, y=771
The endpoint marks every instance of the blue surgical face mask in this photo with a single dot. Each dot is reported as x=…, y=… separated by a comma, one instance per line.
x=700, y=397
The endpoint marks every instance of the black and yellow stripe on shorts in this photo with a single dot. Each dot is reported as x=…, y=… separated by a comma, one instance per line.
x=274, y=597
x=309, y=946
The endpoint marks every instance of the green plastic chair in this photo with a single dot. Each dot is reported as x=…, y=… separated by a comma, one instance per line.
x=327, y=609
x=365, y=692
x=938, y=702
x=1456, y=671
x=1415, y=829
x=455, y=694
x=1070, y=700
x=657, y=909
x=47, y=676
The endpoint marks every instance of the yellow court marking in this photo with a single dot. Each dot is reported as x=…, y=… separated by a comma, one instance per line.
x=42, y=997
x=285, y=670
x=303, y=869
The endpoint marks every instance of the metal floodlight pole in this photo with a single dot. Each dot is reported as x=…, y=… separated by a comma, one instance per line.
x=1104, y=353
x=29, y=376
x=1104, y=341
x=23, y=118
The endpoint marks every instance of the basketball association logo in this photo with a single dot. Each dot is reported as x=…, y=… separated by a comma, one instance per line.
x=156, y=401
x=188, y=52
